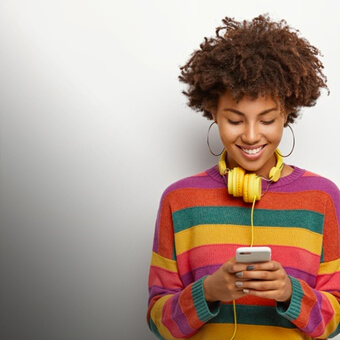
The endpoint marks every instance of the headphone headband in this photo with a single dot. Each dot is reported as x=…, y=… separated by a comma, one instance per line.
x=248, y=185
x=274, y=173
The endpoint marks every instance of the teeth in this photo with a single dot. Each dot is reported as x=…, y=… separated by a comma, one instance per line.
x=252, y=151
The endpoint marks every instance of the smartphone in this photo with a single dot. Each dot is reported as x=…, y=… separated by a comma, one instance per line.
x=253, y=254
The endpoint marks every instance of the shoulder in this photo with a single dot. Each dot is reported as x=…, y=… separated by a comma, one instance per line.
x=319, y=182
x=206, y=180
x=312, y=181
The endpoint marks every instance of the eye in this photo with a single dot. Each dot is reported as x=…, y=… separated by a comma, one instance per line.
x=234, y=122
x=268, y=122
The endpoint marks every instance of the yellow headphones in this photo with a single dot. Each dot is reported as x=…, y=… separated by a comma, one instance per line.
x=245, y=185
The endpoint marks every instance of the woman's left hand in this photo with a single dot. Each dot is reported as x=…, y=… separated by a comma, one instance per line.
x=267, y=280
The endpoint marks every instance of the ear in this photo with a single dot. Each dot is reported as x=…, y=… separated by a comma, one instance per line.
x=285, y=115
x=214, y=116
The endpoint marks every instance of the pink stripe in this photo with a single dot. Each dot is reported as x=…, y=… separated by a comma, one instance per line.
x=164, y=278
x=329, y=282
x=294, y=257
x=327, y=315
x=168, y=321
x=204, y=256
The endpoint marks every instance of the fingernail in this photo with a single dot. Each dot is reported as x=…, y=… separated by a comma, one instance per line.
x=246, y=291
x=250, y=268
x=239, y=274
x=238, y=284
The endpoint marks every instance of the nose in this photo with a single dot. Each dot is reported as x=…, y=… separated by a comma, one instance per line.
x=251, y=133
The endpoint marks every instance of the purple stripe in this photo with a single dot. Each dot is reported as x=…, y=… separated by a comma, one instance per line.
x=313, y=183
x=198, y=273
x=197, y=182
x=181, y=319
x=315, y=317
x=156, y=238
x=300, y=274
x=157, y=290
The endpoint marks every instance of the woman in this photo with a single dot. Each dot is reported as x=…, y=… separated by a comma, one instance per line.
x=251, y=80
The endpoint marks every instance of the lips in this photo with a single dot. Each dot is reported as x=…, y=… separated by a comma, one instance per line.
x=252, y=151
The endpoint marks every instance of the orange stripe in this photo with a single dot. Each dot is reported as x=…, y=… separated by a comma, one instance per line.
x=331, y=233
x=308, y=302
x=186, y=301
x=163, y=278
x=165, y=232
x=306, y=200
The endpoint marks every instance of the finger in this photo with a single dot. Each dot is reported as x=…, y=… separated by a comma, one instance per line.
x=262, y=275
x=268, y=294
x=269, y=266
x=236, y=267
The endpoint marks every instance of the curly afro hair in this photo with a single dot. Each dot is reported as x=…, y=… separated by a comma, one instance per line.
x=258, y=57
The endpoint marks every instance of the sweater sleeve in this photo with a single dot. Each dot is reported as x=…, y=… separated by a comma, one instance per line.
x=175, y=311
x=316, y=310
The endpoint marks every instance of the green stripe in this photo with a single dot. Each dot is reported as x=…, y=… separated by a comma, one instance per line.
x=252, y=315
x=204, y=313
x=336, y=332
x=187, y=218
x=154, y=329
x=294, y=308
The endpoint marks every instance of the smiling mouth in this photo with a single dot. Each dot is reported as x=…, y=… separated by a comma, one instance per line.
x=252, y=151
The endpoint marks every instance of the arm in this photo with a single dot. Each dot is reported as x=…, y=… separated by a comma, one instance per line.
x=175, y=310
x=316, y=311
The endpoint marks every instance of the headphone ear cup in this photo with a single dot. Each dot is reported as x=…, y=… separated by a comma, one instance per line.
x=275, y=174
x=251, y=188
x=235, y=181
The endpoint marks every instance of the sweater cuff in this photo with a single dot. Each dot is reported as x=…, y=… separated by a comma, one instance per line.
x=293, y=311
x=204, y=311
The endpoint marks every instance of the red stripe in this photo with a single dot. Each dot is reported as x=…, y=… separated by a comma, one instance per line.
x=307, y=304
x=168, y=321
x=164, y=278
x=187, y=303
x=213, y=254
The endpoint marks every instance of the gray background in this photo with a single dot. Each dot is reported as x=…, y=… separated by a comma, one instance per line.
x=93, y=127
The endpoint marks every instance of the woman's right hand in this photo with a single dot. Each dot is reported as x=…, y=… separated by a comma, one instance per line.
x=221, y=285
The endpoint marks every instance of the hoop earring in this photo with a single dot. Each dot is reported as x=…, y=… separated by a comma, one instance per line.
x=213, y=153
x=291, y=151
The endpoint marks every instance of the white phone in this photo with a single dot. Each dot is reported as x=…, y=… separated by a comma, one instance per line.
x=253, y=254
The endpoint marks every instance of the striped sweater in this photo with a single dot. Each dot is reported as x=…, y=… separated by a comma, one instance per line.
x=199, y=226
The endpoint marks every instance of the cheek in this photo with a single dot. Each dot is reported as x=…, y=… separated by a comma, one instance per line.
x=228, y=132
x=277, y=134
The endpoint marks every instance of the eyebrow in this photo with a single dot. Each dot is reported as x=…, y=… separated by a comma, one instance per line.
x=242, y=114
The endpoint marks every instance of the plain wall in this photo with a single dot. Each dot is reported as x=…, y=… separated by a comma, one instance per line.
x=93, y=128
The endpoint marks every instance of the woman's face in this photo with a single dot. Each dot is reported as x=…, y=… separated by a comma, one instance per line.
x=250, y=131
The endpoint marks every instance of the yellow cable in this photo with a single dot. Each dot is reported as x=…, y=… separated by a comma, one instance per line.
x=235, y=321
x=252, y=222
x=251, y=244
